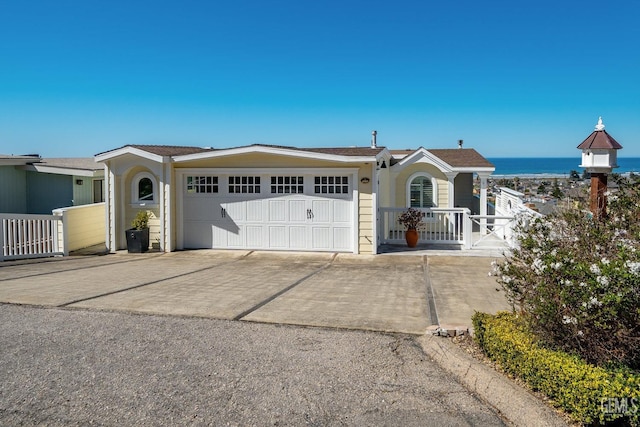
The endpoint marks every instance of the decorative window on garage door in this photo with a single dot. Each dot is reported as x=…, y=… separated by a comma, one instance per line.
x=202, y=184
x=331, y=185
x=244, y=184
x=287, y=185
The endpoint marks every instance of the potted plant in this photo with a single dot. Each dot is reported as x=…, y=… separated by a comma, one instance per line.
x=411, y=219
x=138, y=234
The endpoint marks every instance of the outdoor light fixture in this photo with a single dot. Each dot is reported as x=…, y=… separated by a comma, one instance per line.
x=79, y=182
x=384, y=165
x=364, y=180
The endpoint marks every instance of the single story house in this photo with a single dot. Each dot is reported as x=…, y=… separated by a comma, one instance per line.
x=269, y=197
x=30, y=184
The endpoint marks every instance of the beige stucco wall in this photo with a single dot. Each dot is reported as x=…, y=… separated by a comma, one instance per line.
x=401, y=178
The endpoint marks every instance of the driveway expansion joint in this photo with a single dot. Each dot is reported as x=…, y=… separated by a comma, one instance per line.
x=433, y=313
x=285, y=290
x=141, y=285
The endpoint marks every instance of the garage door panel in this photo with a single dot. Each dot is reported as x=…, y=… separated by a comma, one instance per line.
x=235, y=210
x=278, y=237
x=298, y=237
x=198, y=235
x=321, y=210
x=201, y=209
x=254, y=235
x=320, y=238
x=254, y=211
x=277, y=210
x=234, y=238
x=342, y=238
x=342, y=211
x=297, y=211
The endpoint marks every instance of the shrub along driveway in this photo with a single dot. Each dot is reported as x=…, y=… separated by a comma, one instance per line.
x=383, y=293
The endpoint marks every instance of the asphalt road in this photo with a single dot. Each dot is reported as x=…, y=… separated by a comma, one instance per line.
x=77, y=367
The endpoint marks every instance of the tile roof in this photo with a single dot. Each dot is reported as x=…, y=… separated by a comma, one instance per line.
x=462, y=157
x=600, y=139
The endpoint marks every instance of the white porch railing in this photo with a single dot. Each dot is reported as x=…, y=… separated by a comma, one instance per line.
x=29, y=236
x=455, y=226
x=441, y=225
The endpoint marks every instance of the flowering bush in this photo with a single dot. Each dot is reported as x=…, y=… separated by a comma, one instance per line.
x=576, y=280
x=411, y=218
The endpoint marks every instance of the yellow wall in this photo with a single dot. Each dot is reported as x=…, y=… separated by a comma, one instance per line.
x=85, y=226
x=403, y=176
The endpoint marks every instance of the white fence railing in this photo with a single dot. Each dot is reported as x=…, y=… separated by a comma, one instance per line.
x=29, y=236
x=440, y=225
x=456, y=227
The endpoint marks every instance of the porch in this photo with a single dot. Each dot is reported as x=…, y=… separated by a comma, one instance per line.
x=447, y=230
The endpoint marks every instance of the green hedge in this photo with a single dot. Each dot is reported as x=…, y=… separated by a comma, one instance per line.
x=582, y=390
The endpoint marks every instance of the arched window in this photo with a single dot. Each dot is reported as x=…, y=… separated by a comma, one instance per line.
x=421, y=191
x=143, y=189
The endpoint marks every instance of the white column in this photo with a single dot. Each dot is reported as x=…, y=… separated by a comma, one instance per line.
x=483, y=202
x=451, y=176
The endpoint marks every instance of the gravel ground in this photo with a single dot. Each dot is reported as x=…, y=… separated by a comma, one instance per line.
x=74, y=367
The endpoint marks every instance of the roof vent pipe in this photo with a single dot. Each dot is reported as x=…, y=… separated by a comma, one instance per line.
x=374, y=143
x=460, y=143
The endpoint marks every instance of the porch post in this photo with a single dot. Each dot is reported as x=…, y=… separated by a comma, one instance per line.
x=483, y=202
x=451, y=176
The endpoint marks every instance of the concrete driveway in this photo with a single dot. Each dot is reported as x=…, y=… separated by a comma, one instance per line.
x=382, y=293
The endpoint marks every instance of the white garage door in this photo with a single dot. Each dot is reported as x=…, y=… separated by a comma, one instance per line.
x=275, y=211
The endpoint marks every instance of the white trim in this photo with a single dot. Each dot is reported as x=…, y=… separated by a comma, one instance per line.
x=128, y=150
x=274, y=150
x=355, y=205
x=419, y=154
x=62, y=171
x=374, y=208
x=265, y=171
x=111, y=220
x=135, y=181
x=165, y=220
x=434, y=188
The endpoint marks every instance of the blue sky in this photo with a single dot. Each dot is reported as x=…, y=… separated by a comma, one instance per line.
x=520, y=79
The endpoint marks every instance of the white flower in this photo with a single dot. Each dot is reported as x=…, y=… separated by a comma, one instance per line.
x=604, y=261
x=580, y=333
x=538, y=266
x=556, y=265
x=603, y=280
x=634, y=267
x=593, y=302
x=566, y=320
x=594, y=269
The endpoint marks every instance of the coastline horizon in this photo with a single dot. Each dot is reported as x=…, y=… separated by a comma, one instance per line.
x=551, y=167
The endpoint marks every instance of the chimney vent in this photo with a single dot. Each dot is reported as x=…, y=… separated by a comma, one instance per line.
x=460, y=142
x=374, y=143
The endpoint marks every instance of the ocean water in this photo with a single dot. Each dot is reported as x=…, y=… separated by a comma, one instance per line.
x=552, y=166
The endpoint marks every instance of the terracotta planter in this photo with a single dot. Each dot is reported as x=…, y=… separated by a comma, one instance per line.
x=411, y=235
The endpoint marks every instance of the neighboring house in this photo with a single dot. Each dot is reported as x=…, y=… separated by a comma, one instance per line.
x=32, y=185
x=280, y=198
